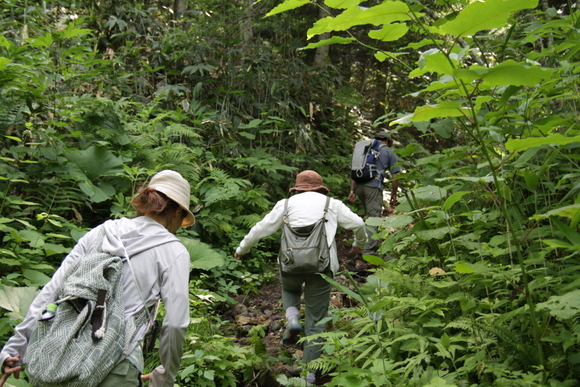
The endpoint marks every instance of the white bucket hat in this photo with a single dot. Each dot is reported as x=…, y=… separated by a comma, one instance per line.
x=176, y=188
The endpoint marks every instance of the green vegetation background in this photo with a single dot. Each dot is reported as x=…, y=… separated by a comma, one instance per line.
x=95, y=96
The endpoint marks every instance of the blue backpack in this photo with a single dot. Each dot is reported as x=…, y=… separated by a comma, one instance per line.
x=363, y=165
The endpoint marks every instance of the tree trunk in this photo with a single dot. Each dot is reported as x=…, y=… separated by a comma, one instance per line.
x=321, y=55
x=248, y=23
x=179, y=8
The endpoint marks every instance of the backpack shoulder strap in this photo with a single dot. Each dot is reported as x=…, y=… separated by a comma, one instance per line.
x=326, y=207
x=285, y=216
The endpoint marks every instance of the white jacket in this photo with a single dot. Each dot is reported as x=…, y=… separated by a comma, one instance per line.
x=161, y=265
x=303, y=210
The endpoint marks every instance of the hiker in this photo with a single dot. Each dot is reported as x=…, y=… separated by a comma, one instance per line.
x=371, y=193
x=303, y=209
x=161, y=266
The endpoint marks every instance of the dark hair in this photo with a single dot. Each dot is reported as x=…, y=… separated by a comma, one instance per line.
x=149, y=201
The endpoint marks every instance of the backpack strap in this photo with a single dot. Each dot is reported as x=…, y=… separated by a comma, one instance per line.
x=326, y=208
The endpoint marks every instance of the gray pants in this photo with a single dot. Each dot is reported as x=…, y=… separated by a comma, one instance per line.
x=316, y=297
x=124, y=374
x=372, y=200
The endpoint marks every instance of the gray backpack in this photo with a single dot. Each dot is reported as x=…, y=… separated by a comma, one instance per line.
x=87, y=336
x=304, y=250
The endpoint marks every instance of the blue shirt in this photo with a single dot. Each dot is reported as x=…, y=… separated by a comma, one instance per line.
x=386, y=160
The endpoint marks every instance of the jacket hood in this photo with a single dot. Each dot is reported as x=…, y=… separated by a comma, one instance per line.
x=134, y=236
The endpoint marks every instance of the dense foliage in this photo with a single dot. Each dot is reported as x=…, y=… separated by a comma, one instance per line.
x=96, y=96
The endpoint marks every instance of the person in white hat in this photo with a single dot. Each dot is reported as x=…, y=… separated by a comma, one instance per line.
x=161, y=265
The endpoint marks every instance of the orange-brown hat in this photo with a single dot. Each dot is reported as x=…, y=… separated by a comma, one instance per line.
x=309, y=181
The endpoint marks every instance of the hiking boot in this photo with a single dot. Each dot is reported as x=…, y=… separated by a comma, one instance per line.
x=293, y=329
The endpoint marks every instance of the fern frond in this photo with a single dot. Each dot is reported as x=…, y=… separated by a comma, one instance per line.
x=247, y=221
x=181, y=131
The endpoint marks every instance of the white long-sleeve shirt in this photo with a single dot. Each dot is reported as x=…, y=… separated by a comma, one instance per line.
x=303, y=210
x=161, y=265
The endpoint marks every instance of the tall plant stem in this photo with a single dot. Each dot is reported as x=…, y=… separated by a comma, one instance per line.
x=475, y=131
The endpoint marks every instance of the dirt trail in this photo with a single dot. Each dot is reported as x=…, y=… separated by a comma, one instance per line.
x=266, y=307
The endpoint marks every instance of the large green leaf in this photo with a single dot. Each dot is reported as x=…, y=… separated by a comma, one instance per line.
x=342, y=3
x=454, y=198
x=562, y=307
x=202, y=255
x=567, y=211
x=442, y=110
x=96, y=162
x=35, y=238
x=36, y=277
x=385, y=13
x=429, y=192
x=470, y=268
x=518, y=145
x=434, y=61
x=287, y=5
x=437, y=233
x=17, y=299
x=327, y=42
x=484, y=15
x=98, y=193
x=507, y=73
x=390, y=32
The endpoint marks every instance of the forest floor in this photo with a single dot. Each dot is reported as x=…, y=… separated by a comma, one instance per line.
x=265, y=308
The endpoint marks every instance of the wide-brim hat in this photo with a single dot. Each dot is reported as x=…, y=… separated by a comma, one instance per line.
x=176, y=188
x=309, y=181
x=383, y=135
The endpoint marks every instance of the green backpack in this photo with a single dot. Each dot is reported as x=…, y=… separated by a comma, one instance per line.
x=88, y=334
x=304, y=250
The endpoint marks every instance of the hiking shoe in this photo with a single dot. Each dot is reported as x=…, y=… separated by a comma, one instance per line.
x=293, y=329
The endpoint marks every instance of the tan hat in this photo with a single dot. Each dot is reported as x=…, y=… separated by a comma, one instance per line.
x=309, y=181
x=176, y=188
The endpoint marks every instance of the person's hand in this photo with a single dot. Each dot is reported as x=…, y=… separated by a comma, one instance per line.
x=9, y=369
x=351, y=197
x=146, y=377
x=393, y=202
x=355, y=250
x=237, y=256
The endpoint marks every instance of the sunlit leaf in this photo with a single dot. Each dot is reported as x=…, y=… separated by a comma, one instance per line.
x=327, y=42
x=385, y=13
x=442, y=110
x=508, y=73
x=470, y=268
x=342, y=3
x=434, y=61
x=484, y=15
x=518, y=145
x=287, y=5
x=390, y=32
